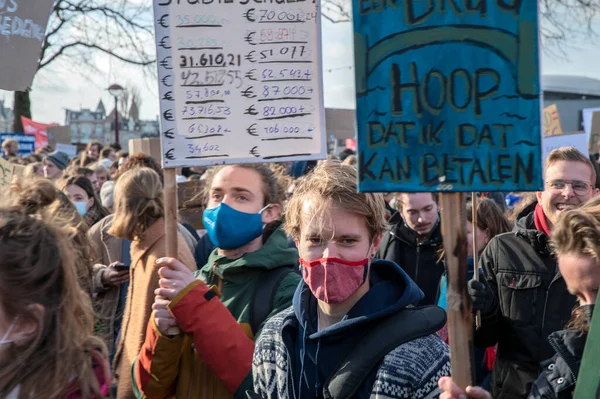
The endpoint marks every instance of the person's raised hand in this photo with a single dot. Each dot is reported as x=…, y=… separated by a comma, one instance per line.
x=162, y=317
x=174, y=277
x=111, y=276
x=453, y=391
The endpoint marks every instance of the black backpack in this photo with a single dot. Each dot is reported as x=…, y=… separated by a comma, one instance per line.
x=264, y=295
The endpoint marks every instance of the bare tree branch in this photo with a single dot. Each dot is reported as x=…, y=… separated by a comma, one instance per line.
x=78, y=29
x=561, y=20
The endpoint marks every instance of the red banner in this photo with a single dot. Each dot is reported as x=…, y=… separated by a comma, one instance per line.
x=351, y=144
x=37, y=129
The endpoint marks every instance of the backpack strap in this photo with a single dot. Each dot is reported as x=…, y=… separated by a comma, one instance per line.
x=264, y=295
x=353, y=370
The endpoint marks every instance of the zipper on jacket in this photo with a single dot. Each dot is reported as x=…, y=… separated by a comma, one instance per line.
x=290, y=376
x=553, y=345
x=554, y=279
x=418, y=262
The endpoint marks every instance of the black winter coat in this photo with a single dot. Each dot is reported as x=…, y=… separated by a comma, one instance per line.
x=418, y=259
x=558, y=379
x=532, y=303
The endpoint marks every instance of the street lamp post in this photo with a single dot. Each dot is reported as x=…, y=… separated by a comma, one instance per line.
x=115, y=90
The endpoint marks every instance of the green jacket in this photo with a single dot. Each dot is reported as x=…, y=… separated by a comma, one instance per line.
x=237, y=279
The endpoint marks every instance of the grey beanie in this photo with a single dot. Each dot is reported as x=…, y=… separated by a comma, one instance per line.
x=60, y=159
x=107, y=194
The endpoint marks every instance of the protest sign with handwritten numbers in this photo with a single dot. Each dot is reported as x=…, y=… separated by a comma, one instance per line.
x=240, y=81
x=448, y=95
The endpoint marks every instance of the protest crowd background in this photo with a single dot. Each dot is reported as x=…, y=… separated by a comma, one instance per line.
x=78, y=242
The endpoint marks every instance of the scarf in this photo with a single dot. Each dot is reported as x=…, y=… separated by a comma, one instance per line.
x=540, y=221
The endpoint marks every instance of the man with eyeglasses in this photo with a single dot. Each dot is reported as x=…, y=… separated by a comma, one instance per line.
x=522, y=296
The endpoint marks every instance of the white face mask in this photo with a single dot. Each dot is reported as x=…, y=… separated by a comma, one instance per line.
x=4, y=339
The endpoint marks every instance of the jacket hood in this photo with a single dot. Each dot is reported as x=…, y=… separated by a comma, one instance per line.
x=391, y=291
x=524, y=219
x=525, y=229
x=273, y=254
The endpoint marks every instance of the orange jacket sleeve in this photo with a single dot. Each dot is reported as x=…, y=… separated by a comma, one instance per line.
x=219, y=340
x=157, y=366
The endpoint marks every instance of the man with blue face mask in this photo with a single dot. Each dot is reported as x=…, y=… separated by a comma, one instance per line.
x=220, y=310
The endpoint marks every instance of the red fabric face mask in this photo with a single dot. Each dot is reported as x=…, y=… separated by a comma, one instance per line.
x=333, y=280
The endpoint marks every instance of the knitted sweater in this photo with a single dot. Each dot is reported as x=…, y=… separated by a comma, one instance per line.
x=412, y=370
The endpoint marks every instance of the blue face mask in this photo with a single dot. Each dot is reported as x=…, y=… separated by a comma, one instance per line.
x=81, y=207
x=228, y=228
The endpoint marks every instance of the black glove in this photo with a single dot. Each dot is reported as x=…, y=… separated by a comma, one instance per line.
x=482, y=297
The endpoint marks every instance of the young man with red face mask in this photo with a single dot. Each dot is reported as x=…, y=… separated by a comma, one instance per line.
x=350, y=310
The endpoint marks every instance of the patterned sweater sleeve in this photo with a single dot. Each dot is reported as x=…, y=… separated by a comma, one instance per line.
x=270, y=368
x=413, y=369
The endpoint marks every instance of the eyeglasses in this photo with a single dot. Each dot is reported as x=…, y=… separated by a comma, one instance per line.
x=558, y=186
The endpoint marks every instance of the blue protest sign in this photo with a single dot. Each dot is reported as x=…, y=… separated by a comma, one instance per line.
x=448, y=95
x=26, y=142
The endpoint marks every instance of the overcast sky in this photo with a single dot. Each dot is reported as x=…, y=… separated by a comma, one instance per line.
x=59, y=87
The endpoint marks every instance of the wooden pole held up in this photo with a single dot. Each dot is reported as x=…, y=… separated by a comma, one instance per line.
x=460, y=319
x=171, y=221
x=475, y=254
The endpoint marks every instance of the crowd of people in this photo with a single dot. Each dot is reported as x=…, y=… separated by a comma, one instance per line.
x=298, y=286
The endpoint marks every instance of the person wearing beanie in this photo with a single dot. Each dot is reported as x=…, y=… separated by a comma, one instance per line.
x=54, y=165
x=107, y=195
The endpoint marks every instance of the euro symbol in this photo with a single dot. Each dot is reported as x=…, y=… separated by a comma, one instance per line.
x=250, y=38
x=254, y=151
x=164, y=80
x=249, y=15
x=250, y=56
x=168, y=114
x=252, y=130
x=163, y=21
x=251, y=111
x=248, y=93
x=250, y=75
x=168, y=96
x=169, y=155
x=169, y=134
x=163, y=43
x=166, y=62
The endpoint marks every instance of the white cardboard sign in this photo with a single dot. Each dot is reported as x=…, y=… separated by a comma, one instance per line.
x=578, y=140
x=240, y=81
x=70, y=150
x=587, y=114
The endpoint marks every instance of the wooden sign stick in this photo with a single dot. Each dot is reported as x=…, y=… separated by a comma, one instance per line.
x=171, y=221
x=475, y=254
x=460, y=320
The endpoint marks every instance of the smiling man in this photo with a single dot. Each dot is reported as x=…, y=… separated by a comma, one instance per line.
x=524, y=298
x=414, y=241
